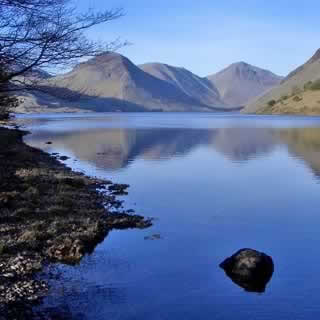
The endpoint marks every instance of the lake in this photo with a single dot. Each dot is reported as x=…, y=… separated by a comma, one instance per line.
x=215, y=183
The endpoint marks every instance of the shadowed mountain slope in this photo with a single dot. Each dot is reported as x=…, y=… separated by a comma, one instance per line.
x=192, y=85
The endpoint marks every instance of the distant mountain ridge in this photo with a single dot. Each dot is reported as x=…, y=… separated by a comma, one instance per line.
x=111, y=82
x=241, y=82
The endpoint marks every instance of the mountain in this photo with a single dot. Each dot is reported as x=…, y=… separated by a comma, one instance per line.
x=111, y=82
x=192, y=85
x=298, y=93
x=241, y=82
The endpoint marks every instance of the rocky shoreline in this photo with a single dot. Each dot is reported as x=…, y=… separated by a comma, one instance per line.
x=48, y=214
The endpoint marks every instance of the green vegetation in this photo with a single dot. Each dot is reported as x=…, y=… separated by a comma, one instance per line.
x=297, y=94
x=271, y=103
x=312, y=85
x=315, y=85
x=307, y=85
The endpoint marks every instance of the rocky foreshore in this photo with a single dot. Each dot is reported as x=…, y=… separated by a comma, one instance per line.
x=49, y=213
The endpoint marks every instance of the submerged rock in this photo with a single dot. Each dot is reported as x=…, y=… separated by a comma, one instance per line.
x=155, y=236
x=64, y=158
x=250, y=269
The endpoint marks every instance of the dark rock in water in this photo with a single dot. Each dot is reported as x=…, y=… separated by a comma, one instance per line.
x=250, y=269
x=63, y=158
x=49, y=142
x=155, y=236
x=118, y=189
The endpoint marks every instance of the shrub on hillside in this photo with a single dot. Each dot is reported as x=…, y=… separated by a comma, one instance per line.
x=315, y=85
x=271, y=103
x=307, y=85
x=297, y=99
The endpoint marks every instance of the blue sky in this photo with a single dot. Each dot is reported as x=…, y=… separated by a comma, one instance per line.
x=205, y=36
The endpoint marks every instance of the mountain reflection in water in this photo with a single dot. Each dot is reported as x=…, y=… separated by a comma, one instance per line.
x=115, y=148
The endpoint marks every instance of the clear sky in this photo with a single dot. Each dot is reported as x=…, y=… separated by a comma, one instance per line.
x=205, y=36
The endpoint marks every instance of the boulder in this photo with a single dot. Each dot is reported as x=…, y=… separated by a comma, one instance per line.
x=250, y=269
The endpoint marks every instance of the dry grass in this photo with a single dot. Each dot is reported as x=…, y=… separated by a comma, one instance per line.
x=306, y=103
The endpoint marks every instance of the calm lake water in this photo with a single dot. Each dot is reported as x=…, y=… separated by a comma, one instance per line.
x=215, y=184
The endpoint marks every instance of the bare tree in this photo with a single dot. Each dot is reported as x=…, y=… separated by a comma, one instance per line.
x=47, y=34
x=44, y=34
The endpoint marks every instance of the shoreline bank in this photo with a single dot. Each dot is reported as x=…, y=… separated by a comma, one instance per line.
x=48, y=214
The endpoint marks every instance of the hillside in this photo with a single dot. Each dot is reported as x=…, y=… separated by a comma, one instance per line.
x=298, y=93
x=189, y=83
x=305, y=102
x=241, y=82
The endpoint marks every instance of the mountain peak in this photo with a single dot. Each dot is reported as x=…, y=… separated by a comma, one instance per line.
x=240, y=82
x=241, y=63
x=244, y=66
x=105, y=59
